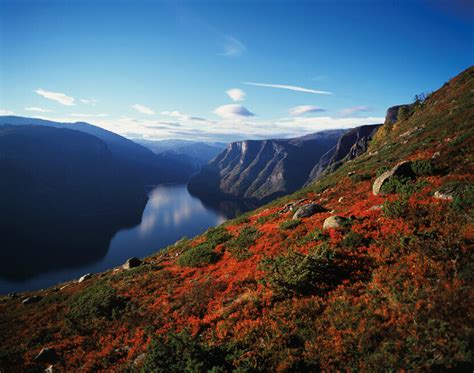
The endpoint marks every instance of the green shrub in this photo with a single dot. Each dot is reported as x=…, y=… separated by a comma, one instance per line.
x=463, y=195
x=361, y=177
x=381, y=170
x=199, y=256
x=217, y=236
x=423, y=167
x=98, y=302
x=240, y=244
x=395, y=209
x=354, y=240
x=290, y=224
x=295, y=273
x=181, y=352
x=263, y=219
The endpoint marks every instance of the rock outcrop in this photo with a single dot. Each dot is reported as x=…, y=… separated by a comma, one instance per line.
x=334, y=222
x=132, y=263
x=308, y=210
x=401, y=169
x=262, y=170
x=349, y=146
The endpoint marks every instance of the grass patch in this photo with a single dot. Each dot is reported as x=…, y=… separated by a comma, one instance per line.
x=199, y=256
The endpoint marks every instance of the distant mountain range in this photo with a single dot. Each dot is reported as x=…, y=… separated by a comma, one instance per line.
x=146, y=166
x=197, y=153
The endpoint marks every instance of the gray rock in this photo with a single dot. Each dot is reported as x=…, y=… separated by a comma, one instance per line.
x=334, y=222
x=47, y=355
x=443, y=195
x=376, y=208
x=132, y=263
x=87, y=276
x=308, y=210
x=139, y=360
x=31, y=300
x=401, y=169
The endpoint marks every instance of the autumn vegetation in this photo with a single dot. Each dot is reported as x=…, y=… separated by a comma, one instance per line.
x=389, y=290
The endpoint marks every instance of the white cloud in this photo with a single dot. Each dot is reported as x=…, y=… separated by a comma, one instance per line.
x=6, y=112
x=289, y=87
x=89, y=101
x=89, y=115
x=143, y=109
x=38, y=109
x=56, y=96
x=232, y=111
x=181, y=116
x=354, y=110
x=236, y=94
x=232, y=47
x=305, y=109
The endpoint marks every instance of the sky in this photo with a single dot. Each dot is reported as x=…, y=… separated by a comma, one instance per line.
x=226, y=70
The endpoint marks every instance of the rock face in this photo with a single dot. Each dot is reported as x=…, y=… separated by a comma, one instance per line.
x=132, y=263
x=47, y=355
x=87, y=276
x=308, y=210
x=31, y=300
x=334, y=222
x=262, y=170
x=349, y=146
x=393, y=113
x=401, y=169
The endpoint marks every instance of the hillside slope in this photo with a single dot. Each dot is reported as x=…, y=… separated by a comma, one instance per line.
x=61, y=183
x=385, y=285
x=262, y=170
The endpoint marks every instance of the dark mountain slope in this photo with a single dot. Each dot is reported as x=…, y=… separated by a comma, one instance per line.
x=350, y=145
x=262, y=170
x=62, y=195
x=146, y=166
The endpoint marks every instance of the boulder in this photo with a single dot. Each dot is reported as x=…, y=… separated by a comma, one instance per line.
x=31, y=300
x=308, y=210
x=376, y=208
x=47, y=355
x=401, y=169
x=87, y=276
x=334, y=222
x=139, y=360
x=447, y=195
x=132, y=263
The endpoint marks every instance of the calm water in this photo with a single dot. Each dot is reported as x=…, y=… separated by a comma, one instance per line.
x=171, y=213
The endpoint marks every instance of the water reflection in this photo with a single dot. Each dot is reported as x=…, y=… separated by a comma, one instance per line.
x=72, y=247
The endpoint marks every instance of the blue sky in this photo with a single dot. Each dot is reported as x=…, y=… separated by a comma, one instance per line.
x=181, y=69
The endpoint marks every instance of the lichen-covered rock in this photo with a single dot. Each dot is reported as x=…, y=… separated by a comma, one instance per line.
x=401, y=169
x=334, y=222
x=447, y=195
x=47, y=355
x=87, y=276
x=31, y=300
x=308, y=210
x=132, y=263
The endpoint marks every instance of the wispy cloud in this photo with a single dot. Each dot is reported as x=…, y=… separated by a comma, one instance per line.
x=289, y=87
x=181, y=116
x=354, y=110
x=232, y=47
x=305, y=109
x=236, y=94
x=38, y=109
x=233, y=111
x=89, y=101
x=6, y=112
x=143, y=109
x=56, y=96
x=78, y=115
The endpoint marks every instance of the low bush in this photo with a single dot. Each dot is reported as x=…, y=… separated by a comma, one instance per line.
x=199, y=256
x=395, y=209
x=239, y=245
x=98, y=302
x=181, y=352
x=290, y=224
x=423, y=167
x=296, y=273
x=360, y=177
x=217, y=236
